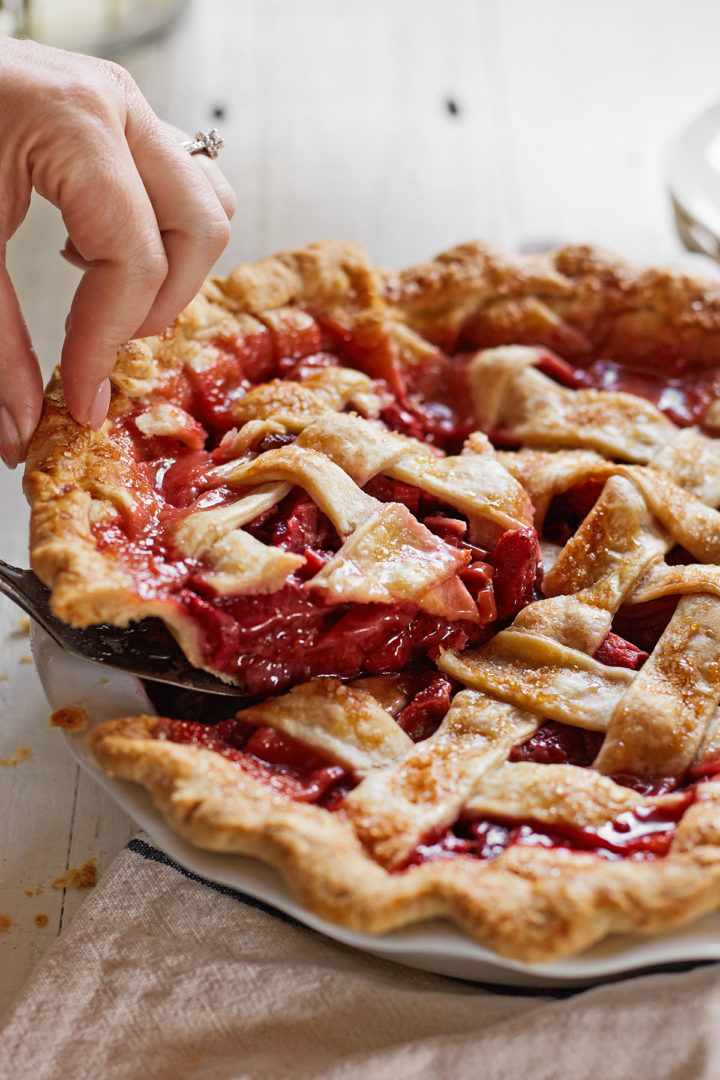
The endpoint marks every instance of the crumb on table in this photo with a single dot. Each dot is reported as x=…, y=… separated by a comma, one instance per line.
x=41, y=919
x=20, y=753
x=71, y=718
x=5, y=922
x=22, y=629
x=74, y=878
x=27, y=659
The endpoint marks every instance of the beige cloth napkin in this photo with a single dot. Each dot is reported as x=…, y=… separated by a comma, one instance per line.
x=164, y=976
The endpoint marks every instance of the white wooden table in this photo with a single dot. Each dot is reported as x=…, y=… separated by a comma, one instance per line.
x=408, y=124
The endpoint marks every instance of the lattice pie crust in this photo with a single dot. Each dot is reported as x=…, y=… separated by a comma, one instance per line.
x=382, y=852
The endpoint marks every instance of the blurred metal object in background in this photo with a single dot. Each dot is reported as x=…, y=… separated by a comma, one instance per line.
x=694, y=182
x=99, y=27
x=694, y=235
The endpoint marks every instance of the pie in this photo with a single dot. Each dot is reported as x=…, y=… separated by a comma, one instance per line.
x=455, y=531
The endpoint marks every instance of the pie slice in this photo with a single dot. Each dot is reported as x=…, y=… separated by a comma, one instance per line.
x=251, y=490
x=334, y=485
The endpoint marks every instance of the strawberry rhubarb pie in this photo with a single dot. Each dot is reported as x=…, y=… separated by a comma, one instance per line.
x=454, y=532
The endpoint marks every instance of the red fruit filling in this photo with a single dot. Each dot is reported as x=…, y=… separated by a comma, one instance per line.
x=273, y=642
x=617, y=652
x=296, y=772
x=279, y=761
x=683, y=394
x=516, y=558
x=424, y=713
x=290, y=767
x=643, y=624
x=568, y=510
x=642, y=833
x=559, y=744
x=555, y=743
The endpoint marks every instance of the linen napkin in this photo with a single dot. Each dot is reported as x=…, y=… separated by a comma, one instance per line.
x=163, y=974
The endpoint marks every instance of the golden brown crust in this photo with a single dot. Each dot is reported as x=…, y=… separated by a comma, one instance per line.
x=71, y=718
x=331, y=275
x=75, y=477
x=530, y=904
x=577, y=298
x=64, y=464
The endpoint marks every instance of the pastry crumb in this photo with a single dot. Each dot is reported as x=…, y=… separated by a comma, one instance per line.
x=41, y=919
x=20, y=753
x=26, y=659
x=29, y=892
x=5, y=922
x=4, y=676
x=74, y=878
x=71, y=718
x=22, y=629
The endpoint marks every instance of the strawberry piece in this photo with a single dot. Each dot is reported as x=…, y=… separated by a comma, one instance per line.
x=516, y=557
x=617, y=652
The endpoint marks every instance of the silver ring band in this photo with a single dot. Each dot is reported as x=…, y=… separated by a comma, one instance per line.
x=205, y=142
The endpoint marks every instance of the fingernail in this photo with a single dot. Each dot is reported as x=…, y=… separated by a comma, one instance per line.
x=9, y=439
x=74, y=259
x=99, y=406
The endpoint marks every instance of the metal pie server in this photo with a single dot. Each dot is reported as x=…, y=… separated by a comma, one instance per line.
x=145, y=649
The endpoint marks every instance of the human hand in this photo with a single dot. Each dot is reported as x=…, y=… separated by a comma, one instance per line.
x=145, y=221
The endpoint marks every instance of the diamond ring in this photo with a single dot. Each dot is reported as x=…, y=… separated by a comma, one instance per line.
x=205, y=142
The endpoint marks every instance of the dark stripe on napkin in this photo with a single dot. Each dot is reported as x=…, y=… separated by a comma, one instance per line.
x=153, y=854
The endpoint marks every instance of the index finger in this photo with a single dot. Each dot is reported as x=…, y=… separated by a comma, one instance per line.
x=87, y=171
x=112, y=225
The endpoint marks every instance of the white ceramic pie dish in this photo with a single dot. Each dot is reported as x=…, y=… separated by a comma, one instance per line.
x=431, y=946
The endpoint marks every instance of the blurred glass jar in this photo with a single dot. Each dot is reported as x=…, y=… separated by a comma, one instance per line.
x=100, y=27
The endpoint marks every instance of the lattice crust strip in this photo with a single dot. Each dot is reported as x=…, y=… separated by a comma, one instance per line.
x=536, y=411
